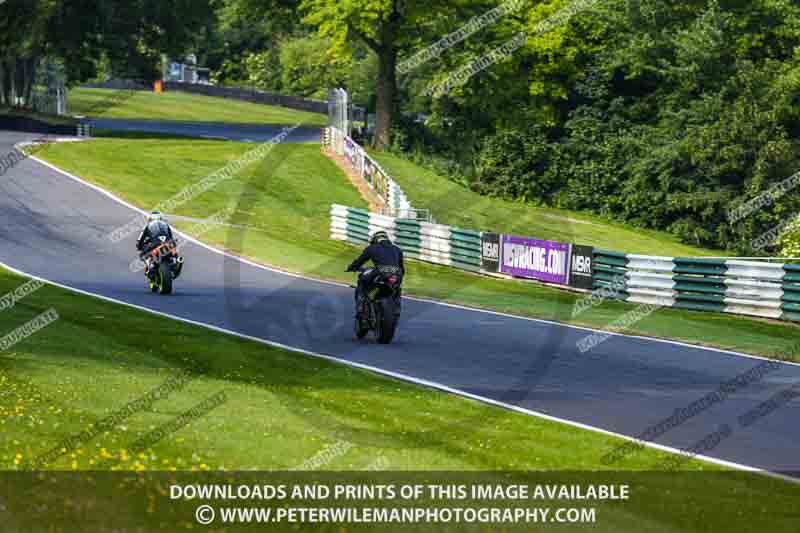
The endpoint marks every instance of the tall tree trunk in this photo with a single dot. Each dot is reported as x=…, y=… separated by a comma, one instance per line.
x=24, y=83
x=12, y=77
x=386, y=94
x=30, y=78
x=386, y=50
x=2, y=84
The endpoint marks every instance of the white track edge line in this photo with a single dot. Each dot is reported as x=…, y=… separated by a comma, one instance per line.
x=415, y=298
x=416, y=381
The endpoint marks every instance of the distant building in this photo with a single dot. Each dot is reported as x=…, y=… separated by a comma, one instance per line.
x=187, y=72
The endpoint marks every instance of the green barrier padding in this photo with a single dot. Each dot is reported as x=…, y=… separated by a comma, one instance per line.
x=699, y=306
x=693, y=265
x=610, y=277
x=610, y=258
x=610, y=271
x=474, y=253
x=791, y=277
x=684, y=288
x=465, y=236
x=408, y=236
x=791, y=297
x=706, y=298
x=357, y=211
x=464, y=241
x=358, y=222
x=791, y=316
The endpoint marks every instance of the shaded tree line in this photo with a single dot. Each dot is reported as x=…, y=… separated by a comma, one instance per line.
x=128, y=35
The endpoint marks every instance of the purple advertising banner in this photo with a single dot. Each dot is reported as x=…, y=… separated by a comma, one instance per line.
x=349, y=150
x=523, y=257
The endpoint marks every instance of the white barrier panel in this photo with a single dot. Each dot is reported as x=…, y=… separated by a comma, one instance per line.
x=754, y=270
x=651, y=263
x=436, y=245
x=650, y=297
x=754, y=290
x=650, y=280
x=435, y=230
x=339, y=223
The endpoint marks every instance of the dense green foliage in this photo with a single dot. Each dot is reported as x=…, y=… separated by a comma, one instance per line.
x=790, y=241
x=123, y=37
x=666, y=115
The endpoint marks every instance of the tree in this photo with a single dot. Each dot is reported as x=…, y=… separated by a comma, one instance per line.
x=243, y=45
x=307, y=72
x=130, y=34
x=389, y=28
x=22, y=28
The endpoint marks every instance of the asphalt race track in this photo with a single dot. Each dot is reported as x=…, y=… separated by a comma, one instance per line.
x=56, y=228
x=210, y=130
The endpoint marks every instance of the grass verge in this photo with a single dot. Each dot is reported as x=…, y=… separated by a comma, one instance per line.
x=184, y=107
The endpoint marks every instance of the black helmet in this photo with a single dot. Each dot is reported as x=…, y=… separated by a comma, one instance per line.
x=379, y=236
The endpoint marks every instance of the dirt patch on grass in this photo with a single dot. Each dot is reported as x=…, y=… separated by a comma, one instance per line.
x=376, y=203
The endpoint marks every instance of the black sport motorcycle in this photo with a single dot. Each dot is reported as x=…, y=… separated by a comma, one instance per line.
x=163, y=265
x=381, y=308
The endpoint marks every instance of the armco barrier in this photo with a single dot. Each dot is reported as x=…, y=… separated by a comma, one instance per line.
x=433, y=243
x=249, y=95
x=753, y=288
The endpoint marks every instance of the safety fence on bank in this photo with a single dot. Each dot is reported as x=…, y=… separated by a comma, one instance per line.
x=370, y=171
x=742, y=287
